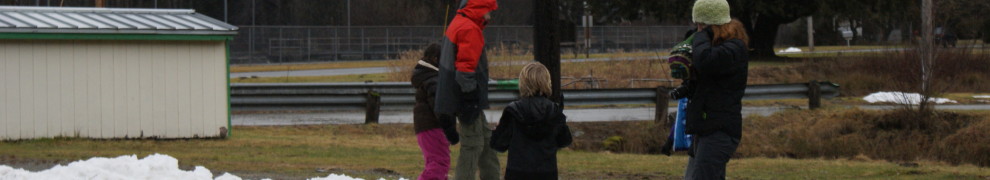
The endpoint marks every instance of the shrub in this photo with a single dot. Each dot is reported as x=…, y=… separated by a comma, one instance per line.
x=955, y=71
x=895, y=135
x=968, y=145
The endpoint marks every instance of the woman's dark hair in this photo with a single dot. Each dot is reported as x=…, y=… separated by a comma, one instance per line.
x=432, y=54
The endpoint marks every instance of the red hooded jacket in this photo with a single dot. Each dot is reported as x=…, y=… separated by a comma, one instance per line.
x=465, y=32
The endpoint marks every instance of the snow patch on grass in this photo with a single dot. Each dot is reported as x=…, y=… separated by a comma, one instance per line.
x=155, y=166
x=902, y=98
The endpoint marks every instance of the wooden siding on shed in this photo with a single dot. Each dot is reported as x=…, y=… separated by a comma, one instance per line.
x=112, y=89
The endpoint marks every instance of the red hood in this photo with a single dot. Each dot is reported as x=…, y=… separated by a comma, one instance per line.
x=476, y=10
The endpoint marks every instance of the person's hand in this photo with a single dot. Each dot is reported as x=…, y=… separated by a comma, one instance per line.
x=452, y=136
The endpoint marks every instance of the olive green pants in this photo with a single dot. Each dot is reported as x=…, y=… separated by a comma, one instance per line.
x=476, y=152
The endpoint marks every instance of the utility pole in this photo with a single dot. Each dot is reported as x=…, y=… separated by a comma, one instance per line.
x=348, y=20
x=253, y=10
x=588, y=21
x=224, y=10
x=927, y=51
x=811, y=34
x=546, y=41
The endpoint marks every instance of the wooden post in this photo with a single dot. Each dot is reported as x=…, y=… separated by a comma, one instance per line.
x=546, y=42
x=662, y=100
x=373, y=107
x=814, y=95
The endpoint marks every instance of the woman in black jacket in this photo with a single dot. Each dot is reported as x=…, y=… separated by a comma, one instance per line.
x=714, y=118
x=532, y=128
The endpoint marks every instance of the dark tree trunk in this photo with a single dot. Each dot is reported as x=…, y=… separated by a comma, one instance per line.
x=546, y=41
x=764, y=36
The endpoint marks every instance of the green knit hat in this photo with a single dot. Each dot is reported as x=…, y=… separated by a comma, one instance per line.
x=711, y=12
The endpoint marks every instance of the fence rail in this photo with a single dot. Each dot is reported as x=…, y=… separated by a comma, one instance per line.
x=400, y=95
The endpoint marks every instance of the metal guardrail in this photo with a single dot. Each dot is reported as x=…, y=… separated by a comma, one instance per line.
x=401, y=95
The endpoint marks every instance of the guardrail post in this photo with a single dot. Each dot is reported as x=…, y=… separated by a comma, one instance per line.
x=662, y=100
x=814, y=95
x=373, y=107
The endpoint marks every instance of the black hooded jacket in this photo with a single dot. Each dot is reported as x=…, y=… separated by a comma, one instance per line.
x=716, y=101
x=532, y=129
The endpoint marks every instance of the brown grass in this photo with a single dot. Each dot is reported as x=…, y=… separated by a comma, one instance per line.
x=629, y=137
x=956, y=71
x=899, y=136
x=506, y=61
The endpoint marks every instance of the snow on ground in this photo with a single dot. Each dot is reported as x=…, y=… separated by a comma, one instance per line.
x=902, y=98
x=791, y=50
x=982, y=96
x=155, y=166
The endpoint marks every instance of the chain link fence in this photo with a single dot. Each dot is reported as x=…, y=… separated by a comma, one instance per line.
x=301, y=44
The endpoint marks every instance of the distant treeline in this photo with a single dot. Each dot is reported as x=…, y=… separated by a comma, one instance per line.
x=877, y=18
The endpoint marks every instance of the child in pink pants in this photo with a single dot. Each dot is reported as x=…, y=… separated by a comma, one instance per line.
x=434, y=134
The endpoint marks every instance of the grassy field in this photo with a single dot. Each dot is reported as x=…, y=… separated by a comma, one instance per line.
x=390, y=151
x=518, y=54
x=385, y=63
x=576, y=69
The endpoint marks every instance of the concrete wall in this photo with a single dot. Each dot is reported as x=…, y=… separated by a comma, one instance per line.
x=112, y=89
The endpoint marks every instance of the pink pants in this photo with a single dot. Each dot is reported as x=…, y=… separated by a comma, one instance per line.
x=436, y=154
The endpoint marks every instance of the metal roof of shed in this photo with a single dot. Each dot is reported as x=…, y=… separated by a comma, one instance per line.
x=20, y=19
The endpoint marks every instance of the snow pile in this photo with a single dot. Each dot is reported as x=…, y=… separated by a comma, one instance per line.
x=902, y=98
x=790, y=50
x=982, y=97
x=155, y=166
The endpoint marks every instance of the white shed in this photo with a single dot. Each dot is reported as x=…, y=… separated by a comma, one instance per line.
x=112, y=73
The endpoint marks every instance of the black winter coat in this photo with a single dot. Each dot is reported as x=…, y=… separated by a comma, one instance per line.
x=532, y=129
x=716, y=103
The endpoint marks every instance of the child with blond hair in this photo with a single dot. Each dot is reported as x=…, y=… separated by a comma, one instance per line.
x=532, y=128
